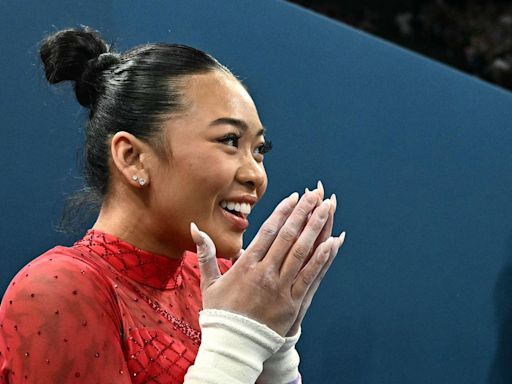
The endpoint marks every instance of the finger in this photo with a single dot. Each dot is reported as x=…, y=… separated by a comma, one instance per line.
x=319, y=201
x=320, y=190
x=303, y=247
x=327, y=229
x=261, y=243
x=311, y=270
x=335, y=246
x=306, y=302
x=291, y=229
x=208, y=267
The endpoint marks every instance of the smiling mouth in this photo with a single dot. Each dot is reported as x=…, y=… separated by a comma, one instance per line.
x=238, y=209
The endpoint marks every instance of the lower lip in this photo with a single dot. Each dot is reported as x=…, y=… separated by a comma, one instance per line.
x=237, y=222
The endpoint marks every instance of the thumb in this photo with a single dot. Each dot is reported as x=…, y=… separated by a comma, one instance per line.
x=208, y=266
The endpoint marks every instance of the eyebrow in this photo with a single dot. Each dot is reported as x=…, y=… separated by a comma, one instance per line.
x=240, y=124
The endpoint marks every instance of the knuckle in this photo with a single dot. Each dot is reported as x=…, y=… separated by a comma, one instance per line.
x=300, y=252
x=288, y=234
x=308, y=278
x=203, y=259
x=317, y=224
x=249, y=270
x=302, y=211
x=268, y=231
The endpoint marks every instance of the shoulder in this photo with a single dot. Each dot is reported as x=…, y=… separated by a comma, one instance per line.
x=59, y=275
x=60, y=308
x=58, y=263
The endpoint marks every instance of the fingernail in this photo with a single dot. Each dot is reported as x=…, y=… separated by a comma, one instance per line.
x=197, y=235
x=320, y=187
x=341, y=239
x=294, y=197
x=306, y=190
x=334, y=201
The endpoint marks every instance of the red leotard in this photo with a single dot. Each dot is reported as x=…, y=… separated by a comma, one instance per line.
x=102, y=311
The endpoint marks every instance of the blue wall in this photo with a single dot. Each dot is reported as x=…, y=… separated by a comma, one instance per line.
x=418, y=154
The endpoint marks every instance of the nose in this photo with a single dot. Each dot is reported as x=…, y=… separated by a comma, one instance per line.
x=251, y=173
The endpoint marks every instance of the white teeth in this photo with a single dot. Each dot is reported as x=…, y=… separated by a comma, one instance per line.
x=244, y=208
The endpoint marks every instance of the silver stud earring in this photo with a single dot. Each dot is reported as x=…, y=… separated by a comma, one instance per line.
x=135, y=177
x=142, y=182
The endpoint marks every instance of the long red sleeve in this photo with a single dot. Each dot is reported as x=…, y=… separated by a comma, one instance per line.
x=101, y=311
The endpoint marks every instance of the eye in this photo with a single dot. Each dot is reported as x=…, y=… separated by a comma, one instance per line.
x=264, y=148
x=230, y=139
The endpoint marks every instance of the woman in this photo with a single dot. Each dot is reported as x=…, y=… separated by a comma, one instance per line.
x=173, y=144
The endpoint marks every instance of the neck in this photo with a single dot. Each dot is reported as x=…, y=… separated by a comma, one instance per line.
x=130, y=224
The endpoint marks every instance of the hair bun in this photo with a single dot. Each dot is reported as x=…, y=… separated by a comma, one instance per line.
x=77, y=55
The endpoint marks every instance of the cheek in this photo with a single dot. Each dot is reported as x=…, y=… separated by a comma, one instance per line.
x=202, y=180
x=214, y=171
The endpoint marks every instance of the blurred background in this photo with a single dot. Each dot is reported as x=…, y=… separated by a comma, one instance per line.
x=417, y=152
x=473, y=36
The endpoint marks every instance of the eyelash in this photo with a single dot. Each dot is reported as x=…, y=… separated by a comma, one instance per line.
x=230, y=139
x=265, y=147
x=233, y=139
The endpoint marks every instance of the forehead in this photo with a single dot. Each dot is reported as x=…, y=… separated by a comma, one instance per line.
x=217, y=94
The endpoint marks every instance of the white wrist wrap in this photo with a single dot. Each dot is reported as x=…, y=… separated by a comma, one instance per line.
x=233, y=349
x=283, y=366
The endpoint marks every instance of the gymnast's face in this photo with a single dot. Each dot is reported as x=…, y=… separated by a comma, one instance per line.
x=214, y=173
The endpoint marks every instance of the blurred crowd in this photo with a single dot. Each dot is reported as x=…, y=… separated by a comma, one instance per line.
x=475, y=37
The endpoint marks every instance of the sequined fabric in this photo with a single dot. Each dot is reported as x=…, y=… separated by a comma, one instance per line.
x=101, y=311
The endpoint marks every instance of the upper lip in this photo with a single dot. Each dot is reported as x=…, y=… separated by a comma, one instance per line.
x=249, y=199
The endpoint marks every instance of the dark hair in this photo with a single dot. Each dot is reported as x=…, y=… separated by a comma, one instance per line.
x=133, y=92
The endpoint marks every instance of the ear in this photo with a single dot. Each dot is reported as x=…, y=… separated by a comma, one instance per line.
x=128, y=153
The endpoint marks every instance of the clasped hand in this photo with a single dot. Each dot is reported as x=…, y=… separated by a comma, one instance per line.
x=276, y=277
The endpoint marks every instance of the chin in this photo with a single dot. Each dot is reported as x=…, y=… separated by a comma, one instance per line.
x=228, y=254
x=227, y=250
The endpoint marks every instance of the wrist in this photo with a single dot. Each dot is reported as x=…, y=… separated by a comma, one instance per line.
x=233, y=348
x=283, y=366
